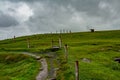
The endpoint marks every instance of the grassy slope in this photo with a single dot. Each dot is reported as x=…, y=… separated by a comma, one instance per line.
x=17, y=67
x=100, y=48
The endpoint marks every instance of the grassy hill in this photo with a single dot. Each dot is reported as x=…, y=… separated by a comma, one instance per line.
x=94, y=51
x=16, y=66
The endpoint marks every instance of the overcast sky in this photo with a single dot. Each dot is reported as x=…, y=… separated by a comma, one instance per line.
x=25, y=17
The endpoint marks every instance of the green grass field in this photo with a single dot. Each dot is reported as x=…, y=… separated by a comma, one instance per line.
x=99, y=48
x=16, y=66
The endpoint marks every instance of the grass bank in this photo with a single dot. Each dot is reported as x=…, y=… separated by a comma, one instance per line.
x=16, y=66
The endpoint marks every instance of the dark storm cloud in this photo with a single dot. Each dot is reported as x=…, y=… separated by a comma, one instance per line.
x=58, y=14
x=52, y=15
x=17, y=1
x=109, y=12
x=91, y=7
x=7, y=20
x=49, y=17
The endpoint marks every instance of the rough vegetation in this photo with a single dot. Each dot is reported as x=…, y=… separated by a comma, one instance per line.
x=17, y=67
x=100, y=48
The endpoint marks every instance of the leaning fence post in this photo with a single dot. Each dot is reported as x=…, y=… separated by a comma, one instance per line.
x=14, y=37
x=76, y=70
x=60, y=31
x=66, y=52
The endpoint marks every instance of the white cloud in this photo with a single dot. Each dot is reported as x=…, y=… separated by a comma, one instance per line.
x=21, y=11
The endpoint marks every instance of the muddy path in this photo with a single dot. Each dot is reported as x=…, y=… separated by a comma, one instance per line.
x=53, y=65
x=49, y=68
x=44, y=70
x=43, y=73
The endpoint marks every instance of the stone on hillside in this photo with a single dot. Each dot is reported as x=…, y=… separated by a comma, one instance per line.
x=117, y=59
x=41, y=69
x=86, y=60
x=38, y=57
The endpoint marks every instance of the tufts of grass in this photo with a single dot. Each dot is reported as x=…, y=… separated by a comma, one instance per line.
x=18, y=67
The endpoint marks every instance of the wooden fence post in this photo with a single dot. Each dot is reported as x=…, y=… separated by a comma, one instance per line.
x=67, y=31
x=56, y=32
x=60, y=31
x=76, y=70
x=70, y=31
x=52, y=43
x=66, y=52
x=60, y=42
x=63, y=30
x=28, y=43
x=14, y=38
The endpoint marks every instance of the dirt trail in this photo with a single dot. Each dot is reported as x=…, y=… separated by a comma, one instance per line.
x=44, y=70
x=44, y=73
x=52, y=68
